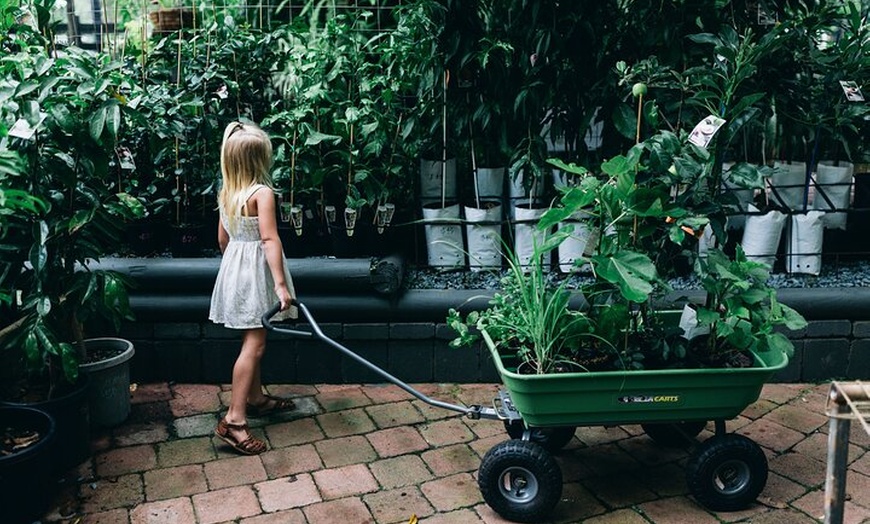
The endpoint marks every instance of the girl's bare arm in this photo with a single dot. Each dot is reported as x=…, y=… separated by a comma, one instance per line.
x=264, y=204
x=223, y=236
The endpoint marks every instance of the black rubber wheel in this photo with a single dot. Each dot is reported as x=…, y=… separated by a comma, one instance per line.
x=726, y=472
x=676, y=435
x=551, y=438
x=520, y=480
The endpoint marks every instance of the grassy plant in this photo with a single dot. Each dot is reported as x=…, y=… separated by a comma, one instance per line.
x=530, y=314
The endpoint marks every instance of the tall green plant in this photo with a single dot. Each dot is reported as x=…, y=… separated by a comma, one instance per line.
x=529, y=315
x=75, y=106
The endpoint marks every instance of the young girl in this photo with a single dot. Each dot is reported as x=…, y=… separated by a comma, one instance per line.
x=252, y=278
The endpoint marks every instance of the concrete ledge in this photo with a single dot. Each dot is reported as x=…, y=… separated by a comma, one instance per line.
x=405, y=332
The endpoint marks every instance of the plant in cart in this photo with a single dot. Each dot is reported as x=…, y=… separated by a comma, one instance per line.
x=531, y=321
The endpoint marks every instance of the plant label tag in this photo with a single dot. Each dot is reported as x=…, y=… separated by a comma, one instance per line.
x=689, y=323
x=851, y=90
x=705, y=129
x=23, y=129
x=125, y=159
x=762, y=16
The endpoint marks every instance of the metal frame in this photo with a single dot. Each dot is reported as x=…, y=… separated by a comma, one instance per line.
x=846, y=402
x=501, y=409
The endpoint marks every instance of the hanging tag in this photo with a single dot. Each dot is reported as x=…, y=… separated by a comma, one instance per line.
x=851, y=90
x=125, y=159
x=23, y=129
x=704, y=130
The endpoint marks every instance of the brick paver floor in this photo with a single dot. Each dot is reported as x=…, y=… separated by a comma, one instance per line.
x=375, y=454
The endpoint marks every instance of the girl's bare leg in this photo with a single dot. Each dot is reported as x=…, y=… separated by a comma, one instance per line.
x=246, y=377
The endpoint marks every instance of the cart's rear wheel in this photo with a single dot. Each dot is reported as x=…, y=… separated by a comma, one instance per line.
x=520, y=481
x=726, y=472
x=674, y=435
x=551, y=438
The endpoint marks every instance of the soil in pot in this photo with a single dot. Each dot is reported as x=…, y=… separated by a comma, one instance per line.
x=27, y=484
x=699, y=356
x=69, y=408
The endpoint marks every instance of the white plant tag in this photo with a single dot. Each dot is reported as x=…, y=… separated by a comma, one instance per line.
x=125, y=159
x=23, y=129
x=704, y=130
x=689, y=323
x=852, y=91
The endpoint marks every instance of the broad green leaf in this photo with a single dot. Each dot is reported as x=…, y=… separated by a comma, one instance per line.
x=616, y=166
x=69, y=362
x=134, y=205
x=317, y=137
x=779, y=342
x=97, y=123
x=31, y=348
x=705, y=38
x=625, y=121
x=79, y=219
x=568, y=168
x=113, y=119
x=632, y=272
x=43, y=306
x=26, y=87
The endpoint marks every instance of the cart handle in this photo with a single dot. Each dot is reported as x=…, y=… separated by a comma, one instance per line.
x=474, y=412
x=266, y=319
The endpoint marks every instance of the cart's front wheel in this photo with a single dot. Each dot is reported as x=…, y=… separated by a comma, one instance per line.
x=727, y=472
x=551, y=438
x=677, y=435
x=520, y=481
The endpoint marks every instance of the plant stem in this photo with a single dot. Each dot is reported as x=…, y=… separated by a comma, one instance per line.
x=639, y=111
x=444, y=142
x=293, y=169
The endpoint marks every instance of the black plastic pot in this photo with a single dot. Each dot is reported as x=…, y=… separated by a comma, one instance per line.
x=27, y=484
x=313, y=240
x=186, y=240
x=72, y=425
x=147, y=237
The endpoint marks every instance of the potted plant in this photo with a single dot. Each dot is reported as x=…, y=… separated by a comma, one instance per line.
x=26, y=434
x=741, y=314
x=843, y=65
x=74, y=107
x=298, y=143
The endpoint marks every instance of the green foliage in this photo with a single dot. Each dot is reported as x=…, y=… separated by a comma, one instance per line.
x=742, y=311
x=192, y=89
x=77, y=105
x=529, y=315
x=345, y=129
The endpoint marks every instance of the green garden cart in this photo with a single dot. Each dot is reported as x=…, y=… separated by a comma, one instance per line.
x=521, y=480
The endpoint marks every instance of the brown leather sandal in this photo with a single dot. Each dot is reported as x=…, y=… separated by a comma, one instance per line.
x=250, y=446
x=270, y=406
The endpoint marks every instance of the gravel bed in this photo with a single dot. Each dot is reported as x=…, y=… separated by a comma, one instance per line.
x=833, y=275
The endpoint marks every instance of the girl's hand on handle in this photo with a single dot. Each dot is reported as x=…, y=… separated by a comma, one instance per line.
x=284, y=296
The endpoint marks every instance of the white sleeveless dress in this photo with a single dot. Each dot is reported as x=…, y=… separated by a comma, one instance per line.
x=244, y=288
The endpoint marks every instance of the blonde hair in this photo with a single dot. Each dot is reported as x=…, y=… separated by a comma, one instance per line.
x=246, y=158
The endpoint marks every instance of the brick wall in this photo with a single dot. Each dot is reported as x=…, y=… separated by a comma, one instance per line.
x=418, y=352
x=413, y=352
